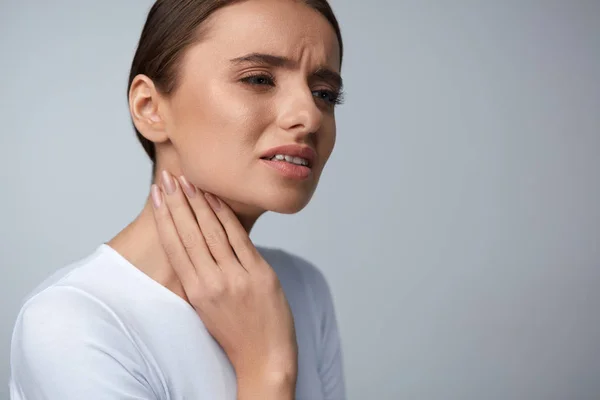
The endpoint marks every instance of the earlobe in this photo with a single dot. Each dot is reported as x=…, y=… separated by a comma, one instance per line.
x=144, y=102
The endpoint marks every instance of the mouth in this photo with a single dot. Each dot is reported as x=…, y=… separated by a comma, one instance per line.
x=292, y=154
x=291, y=161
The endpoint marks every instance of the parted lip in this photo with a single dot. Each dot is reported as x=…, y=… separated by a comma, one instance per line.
x=293, y=150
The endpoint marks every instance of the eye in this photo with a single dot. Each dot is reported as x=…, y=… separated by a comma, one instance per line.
x=329, y=96
x=259, y=80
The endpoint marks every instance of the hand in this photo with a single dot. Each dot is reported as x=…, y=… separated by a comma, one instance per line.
x=233, y=289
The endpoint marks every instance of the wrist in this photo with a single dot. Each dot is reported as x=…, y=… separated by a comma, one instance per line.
x=266, y=384
x=277, y=367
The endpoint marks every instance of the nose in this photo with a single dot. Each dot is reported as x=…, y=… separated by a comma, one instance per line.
x=299, y=114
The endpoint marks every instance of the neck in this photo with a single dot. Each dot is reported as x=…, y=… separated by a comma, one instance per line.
x=139, y=243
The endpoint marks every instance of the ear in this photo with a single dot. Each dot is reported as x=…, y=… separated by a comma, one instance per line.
x=145, y=108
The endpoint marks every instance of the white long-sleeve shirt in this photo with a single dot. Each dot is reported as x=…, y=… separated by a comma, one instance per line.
x=101, y=329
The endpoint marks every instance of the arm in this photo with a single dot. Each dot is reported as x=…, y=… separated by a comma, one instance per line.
x=267, y=386
x=331, y=369
x=68, y=346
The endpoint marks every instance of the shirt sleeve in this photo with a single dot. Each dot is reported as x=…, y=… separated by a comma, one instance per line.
x=331, y=369
x=67, y=345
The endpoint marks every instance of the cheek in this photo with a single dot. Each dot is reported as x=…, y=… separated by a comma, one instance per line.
x=209, y=111
x=327, y=142
x=216, y=121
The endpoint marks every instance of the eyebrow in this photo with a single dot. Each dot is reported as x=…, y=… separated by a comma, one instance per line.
x=284, y=62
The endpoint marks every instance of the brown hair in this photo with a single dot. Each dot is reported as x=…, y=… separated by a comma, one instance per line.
x=173, y=25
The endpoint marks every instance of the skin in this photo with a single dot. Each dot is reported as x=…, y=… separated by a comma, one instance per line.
x=212, y=130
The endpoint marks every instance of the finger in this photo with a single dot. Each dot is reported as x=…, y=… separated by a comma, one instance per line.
x=170, y=242
x=214, y=235
x=243, y=247
x=189, y=234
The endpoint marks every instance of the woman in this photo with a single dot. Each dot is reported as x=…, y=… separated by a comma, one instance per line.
x=234, y=103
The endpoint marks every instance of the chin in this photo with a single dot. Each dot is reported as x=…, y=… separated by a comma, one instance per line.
x=290, y=204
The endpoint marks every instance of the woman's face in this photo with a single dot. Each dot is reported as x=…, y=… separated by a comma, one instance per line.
x=265, y=76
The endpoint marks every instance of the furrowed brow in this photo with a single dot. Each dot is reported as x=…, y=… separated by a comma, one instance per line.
x=322, y=73
x=330, y=76
x=263, y=59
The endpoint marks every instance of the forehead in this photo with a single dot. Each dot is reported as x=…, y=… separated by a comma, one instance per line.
x=287, y=28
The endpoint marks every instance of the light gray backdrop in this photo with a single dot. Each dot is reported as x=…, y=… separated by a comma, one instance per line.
x=458, y=221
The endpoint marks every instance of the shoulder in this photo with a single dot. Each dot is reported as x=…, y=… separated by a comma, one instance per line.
x=61, y=305
x=65, y=275
x=60, y=310
x=59, y=330
x=68, y=311
x=286, y=263
x=297, y=274
x=59, y=317
x=73, y=309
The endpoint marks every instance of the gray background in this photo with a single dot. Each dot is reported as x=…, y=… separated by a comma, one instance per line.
x=458, y=221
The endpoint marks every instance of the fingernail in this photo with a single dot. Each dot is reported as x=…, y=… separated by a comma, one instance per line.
x=156, y=196
x=214, y=202
x=188, y=188
x=168, y=182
